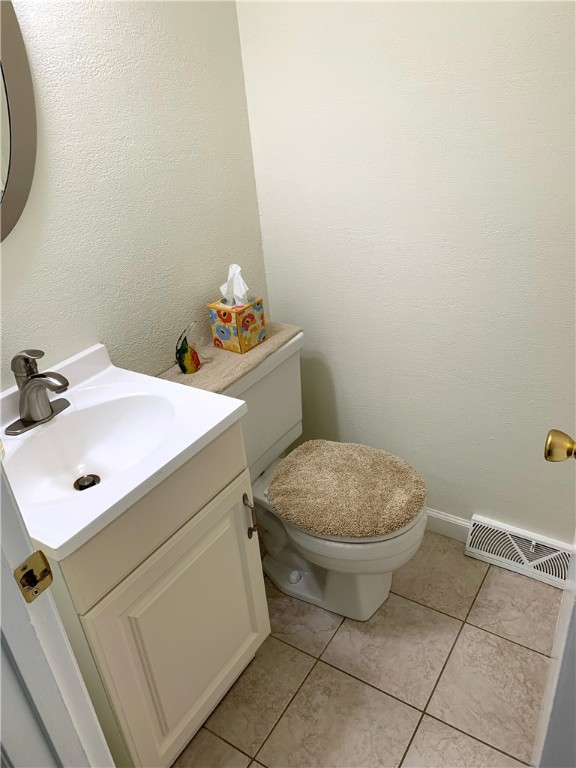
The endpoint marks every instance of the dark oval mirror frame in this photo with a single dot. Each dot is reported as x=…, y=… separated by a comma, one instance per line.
x=22, y=114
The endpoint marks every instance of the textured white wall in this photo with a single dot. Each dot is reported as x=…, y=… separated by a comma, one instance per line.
x=415, y=173
x=144, y=187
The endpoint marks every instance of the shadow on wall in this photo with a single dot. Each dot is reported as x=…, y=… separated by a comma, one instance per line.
x=320, y=418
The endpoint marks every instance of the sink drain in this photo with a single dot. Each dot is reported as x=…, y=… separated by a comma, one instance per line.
x=86, y=481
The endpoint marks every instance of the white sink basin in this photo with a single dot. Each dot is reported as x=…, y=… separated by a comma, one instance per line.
x=104, y=439
x=128, y=429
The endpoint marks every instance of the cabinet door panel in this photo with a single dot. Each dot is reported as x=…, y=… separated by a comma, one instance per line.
x=194, y=614
x=173, y=636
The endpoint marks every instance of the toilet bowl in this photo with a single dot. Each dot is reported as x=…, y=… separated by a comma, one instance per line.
x=351, y=577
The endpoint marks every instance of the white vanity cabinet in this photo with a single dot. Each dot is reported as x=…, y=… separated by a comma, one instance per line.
x=170, y=636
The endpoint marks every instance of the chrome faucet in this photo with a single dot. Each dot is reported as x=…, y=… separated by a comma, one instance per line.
x=35, y=407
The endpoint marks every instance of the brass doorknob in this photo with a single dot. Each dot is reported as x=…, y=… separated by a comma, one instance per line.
x=559, y=446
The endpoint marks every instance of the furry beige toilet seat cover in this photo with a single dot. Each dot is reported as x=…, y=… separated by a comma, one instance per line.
x=346, y=490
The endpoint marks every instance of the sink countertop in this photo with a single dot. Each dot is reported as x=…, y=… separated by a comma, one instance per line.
x=165, y=425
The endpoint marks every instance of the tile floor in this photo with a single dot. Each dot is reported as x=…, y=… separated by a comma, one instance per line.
x=448, y=673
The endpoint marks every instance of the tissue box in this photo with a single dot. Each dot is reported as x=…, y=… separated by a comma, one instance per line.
x=237, y=328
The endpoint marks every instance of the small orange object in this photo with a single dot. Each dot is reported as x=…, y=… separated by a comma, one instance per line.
x=186, y=356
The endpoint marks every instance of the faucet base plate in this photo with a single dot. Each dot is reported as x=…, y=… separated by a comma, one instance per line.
x=19, y=427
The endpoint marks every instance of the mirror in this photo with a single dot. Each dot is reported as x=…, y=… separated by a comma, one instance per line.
x=4, y=139
x=18, y=121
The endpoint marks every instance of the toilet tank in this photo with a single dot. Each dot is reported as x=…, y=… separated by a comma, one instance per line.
x=272, y=392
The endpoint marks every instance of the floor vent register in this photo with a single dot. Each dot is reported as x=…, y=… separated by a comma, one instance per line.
x=541, y=558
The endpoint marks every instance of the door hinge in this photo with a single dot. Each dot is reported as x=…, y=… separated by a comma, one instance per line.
x=33, y=576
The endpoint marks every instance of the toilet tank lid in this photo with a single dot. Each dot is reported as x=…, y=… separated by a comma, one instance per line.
x=267, y=364
x=231, y=373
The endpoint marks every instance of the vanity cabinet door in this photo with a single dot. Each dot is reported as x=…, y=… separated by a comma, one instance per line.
x=174, y=635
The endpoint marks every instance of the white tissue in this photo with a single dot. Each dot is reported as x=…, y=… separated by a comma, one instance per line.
x=234, y=290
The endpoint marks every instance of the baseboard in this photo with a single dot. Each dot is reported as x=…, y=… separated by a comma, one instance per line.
x=448, y=525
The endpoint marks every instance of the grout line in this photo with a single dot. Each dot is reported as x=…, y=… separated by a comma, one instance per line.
x=349, y=674
x=370, y=685
x=475, y=738
x=333, y=636
x=422, y=712
x=411, y=740
x=297, y=647
x=364, y=682
x=294, y=647
x=374, y=687
x=450, y=615
x=443, y=668
x=464, y=622
x=271, y=731
x=437, y=610
x=508, y=640
x=454, y=643
x=477, y=593
x=238, y=749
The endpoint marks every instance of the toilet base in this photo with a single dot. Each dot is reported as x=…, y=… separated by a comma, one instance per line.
x=357, y=596
x=303, y=567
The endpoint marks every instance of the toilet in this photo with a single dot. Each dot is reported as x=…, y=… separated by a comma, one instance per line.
x=343, y=573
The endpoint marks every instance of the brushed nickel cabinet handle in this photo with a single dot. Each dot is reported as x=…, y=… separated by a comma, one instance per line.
x=247, y=503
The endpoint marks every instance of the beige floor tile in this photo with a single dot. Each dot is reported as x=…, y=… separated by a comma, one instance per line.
x=518, y=608
x=208, y=751
x=301, y=624
x=251, y=707
x=441, y=576
x=335, y=721
x=437, y=745
x=400, y=650
x=492, y=689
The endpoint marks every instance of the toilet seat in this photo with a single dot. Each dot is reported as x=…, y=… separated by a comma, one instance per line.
x=361, y=493
x=358, y=539
x=362, y=555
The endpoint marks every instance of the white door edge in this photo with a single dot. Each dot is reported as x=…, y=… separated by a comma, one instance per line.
x=40, y=649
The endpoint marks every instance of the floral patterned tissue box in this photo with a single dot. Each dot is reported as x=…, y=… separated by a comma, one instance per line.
x=237, y=328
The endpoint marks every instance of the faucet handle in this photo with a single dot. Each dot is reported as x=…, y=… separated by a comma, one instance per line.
x=24, y=363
